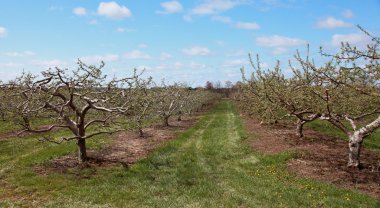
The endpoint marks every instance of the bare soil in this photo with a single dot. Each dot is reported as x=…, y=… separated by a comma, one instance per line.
x=321, y=157
x=8, y=135
x=125, y=149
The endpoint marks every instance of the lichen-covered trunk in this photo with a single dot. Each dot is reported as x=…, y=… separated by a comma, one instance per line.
x=356, y=140
x=82, y=153
x=179, y=115
x=166, y=120
x=141, y=132
x=81, y=143
x=299, y=130
x=2, y=116
x=354, y=146
x=140, y=127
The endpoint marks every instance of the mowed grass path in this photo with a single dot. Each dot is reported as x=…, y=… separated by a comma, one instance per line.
x=210, y=165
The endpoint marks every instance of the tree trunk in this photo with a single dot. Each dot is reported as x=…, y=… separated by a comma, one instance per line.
x=2, y=116
x=141, y=133
x=179, y=118
x=166, y=121
x=82, y=153
x=299, y=129
x=354, y=146
x=356, y=140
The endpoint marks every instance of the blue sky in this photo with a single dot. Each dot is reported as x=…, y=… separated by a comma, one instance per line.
x=192, y=41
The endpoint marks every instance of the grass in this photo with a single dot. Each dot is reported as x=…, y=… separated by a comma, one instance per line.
x=209, y=165
x=9, y=126
x=370, y=142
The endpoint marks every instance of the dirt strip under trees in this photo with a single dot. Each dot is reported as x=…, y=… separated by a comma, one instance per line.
x=321, y=157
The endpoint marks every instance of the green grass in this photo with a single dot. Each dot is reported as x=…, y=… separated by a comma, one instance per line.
x=370, y=142
x=9, y=126
x=209, y=165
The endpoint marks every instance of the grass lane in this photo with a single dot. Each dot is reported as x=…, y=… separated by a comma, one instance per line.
x=207, y=166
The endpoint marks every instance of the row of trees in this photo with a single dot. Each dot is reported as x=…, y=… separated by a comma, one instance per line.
x=88, y=103
x=345, y=91
x=217, y=87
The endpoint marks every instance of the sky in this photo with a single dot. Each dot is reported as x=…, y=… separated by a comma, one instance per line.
x=181, y=40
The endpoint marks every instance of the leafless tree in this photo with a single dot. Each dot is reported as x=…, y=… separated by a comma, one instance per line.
x=209, y=85
x=142, y=101
x=345, y=92
x=274, y=97
x=167, y=101
x=351, y=92
x=3, y=102
x=82, y=101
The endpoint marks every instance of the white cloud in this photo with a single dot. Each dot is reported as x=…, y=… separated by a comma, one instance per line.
x=165, y=56
x=143, y=67
x=142, y=45
x=247, y=25
x=178, y=64
x=55, y=8
x=279, y=44
x=223, y=19
x=161, y=67
x=348, y=14
x=331, y=23
x=359, y=40
x=181, y=66
x=136, y=54
x=195, y=65
x=98, y=58
x=174, y=66
x=219, y=42
x=237, y=53
x=93, y=22
x=197, y=51
x=214, y=7
x=29, y=53
x=18, y=54
x=279, y=51
x=120, y=29
x=113, y=10
x=276, y=41
x=3, y=32
x=239, y=25
x=80, y=11
x=187, y=18
x=235, y=63
x=171, y=7
x=11, y=65
x=49, y=63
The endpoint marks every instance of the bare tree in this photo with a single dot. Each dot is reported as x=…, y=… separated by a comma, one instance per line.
x=185, y=96
x=167, y=99
x=197, y=99
x=228, y=88
x=76, y=100
x=351, y=92
x=3, y=102
x=274, y=97
x=218, y=85
x=209, y=85
x=345, y=92
x=142, y=101
x=193, y=100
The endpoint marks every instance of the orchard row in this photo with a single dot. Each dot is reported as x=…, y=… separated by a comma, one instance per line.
x=88, y=103
x=345, y=91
